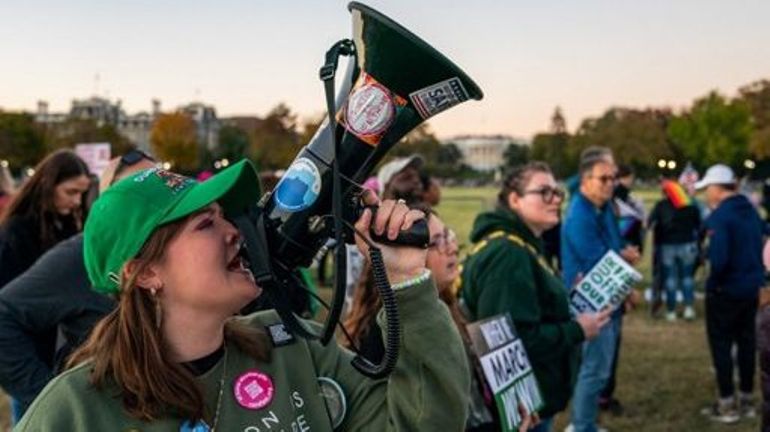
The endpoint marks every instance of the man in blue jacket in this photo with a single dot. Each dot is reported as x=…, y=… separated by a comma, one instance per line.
x=589, y=231
x=734, y=231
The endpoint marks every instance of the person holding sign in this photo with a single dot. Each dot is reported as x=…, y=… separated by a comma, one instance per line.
x=589, y=231
x=506, y=272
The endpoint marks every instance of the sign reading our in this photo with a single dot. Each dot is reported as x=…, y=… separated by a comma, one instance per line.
x=606, y=285
x=506, y=368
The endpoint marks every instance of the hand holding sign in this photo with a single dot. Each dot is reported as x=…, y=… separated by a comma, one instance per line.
x=606, y=285
x=592, y=323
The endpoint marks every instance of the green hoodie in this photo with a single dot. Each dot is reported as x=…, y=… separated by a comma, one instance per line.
x=501, y=275
x=428, y=390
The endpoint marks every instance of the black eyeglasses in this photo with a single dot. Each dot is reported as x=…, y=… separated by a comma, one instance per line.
x=548, y=193
x=443, y=241
x=131, y=158
x=606, y=178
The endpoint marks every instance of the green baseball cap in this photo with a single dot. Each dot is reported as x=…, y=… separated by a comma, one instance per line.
x=125, y=215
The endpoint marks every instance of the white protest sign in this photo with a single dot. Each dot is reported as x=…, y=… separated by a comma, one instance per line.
x=95, y=155
x=506, y=368
x=606, y=285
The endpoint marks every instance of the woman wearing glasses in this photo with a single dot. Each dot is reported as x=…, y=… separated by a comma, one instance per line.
x=441, y=260
x=506, y=272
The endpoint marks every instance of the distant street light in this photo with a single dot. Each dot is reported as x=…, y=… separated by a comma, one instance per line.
x=166, y=165
x=4, y=163
x=217, y=165
x=225, y=163
x=30, y=172
x=672, y=165
x=661, y=163
x=749, y=164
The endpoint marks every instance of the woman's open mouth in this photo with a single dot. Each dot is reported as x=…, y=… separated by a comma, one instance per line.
x=240, y=263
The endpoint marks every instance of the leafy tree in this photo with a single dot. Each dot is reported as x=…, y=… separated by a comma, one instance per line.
x=233, y=142
x=757, y=96
x=552, y=147
x=174, y=139
x=275, y=141
x=516, y=154
x=636, y=137
x=715, y=130
x=21, y=142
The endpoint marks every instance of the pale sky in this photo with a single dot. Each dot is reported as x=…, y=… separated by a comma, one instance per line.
x=246, y=56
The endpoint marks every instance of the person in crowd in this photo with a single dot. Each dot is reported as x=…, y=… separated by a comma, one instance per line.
x=442, y=260
x=431, y=190
x=172, y=357
x=676, y=224
x=506, y=272
x=552, y=237
x=7, y=187
x=629, y=209
x=48, y=209
x=400, y=179
x=52, y=295
x=630, y=214
x=763, y=346
x=589, y=231
x=734, y=231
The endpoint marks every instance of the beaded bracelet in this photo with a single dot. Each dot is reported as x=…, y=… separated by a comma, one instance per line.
x=424, y=277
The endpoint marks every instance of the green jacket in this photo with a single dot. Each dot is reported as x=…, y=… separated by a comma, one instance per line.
x=428, y=390
x=503, y=275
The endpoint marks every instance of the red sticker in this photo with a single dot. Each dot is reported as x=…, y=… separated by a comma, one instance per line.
x=370, y=110
x=254, y=390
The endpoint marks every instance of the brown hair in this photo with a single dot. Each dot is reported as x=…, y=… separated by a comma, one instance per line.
x=364, y=306
x=127, y=349
x=517, y=179
x=36, y=197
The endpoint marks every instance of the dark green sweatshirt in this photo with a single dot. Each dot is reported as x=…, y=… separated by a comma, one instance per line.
x=503, y=276
x=428, y=390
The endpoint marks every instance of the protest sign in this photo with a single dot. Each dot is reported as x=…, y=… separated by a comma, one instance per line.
x=506, y=369
x=606, y=285
x=95, y=155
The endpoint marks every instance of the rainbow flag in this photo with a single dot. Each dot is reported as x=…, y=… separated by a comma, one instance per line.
x=676, y=194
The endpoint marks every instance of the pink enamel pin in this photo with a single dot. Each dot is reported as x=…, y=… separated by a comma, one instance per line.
x=254, y=390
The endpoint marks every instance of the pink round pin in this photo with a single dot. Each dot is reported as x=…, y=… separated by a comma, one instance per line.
x=254, y=389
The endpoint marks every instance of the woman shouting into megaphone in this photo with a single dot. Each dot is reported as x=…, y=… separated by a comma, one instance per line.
x=173, y=356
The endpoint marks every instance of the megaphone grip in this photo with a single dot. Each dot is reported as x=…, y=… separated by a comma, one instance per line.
x=417, y=236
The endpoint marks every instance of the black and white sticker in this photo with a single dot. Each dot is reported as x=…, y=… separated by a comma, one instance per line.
x=279, y=335
x=438, y=97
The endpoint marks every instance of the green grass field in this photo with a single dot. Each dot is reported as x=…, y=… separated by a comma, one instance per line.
x=664, y=376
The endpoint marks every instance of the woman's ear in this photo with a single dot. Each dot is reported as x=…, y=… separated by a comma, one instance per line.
x=147, y=278
x=513, y=200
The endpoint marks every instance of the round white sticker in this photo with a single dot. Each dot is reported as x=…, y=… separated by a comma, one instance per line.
x=370, y=110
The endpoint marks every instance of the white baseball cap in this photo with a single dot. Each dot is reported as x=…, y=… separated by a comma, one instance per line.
x=718, y=174
x=390, y=169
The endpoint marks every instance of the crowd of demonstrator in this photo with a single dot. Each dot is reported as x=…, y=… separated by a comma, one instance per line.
x=114, y=297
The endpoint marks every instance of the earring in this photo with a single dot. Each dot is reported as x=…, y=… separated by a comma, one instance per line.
x=158, y=311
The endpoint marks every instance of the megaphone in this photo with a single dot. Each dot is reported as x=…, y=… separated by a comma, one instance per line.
x=394, y=82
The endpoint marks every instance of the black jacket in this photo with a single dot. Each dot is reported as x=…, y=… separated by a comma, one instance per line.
x=54, y=295
x=674, y=226
x=735, y=232
x=21, y=246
